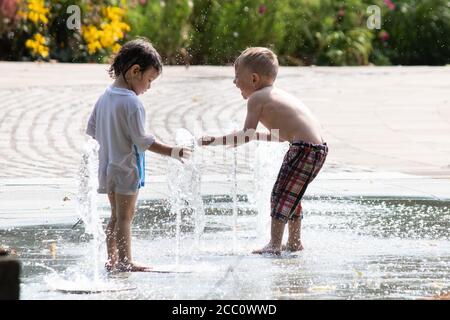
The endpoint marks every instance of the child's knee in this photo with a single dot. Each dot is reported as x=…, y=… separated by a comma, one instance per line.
x=279, y=217
x=113, y=219
x=124, y=218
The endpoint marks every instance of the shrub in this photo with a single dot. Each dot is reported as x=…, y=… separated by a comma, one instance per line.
x=222, y=29
x=326, y=32
x=415, y=32
x=302, y=32
x=166, y=24
x=37, y=30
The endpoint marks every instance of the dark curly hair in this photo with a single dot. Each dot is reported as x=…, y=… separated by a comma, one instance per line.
x=138, y=51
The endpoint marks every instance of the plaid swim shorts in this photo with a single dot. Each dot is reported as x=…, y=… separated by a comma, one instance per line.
x=300, y=166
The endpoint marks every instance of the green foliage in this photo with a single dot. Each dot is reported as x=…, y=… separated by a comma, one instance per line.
x=350, y=48
x=419, y=32
x=302, y=32
x=165, y=24
x=222, y=29
x=326, y=32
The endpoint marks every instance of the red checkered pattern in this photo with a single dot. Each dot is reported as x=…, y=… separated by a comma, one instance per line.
x=301, y=165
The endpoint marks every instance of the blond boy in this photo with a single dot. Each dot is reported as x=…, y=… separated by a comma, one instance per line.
x=287, y=119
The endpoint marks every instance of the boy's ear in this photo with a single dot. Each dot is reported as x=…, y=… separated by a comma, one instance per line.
x=255, y=78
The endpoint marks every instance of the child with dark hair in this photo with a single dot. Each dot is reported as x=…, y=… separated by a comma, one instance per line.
x=118, y=124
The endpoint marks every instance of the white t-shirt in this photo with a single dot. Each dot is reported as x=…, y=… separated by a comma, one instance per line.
x=118, y=124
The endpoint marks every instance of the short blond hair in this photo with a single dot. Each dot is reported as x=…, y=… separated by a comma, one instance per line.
x=259, y=60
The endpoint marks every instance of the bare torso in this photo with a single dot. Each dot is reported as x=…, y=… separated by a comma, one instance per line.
x=281, y=110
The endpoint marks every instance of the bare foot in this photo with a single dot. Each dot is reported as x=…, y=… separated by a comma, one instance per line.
x=292, y=248
x=442, y=296
x=268, y=249
x=132, y=267
x=110, y=266
x=4, y=251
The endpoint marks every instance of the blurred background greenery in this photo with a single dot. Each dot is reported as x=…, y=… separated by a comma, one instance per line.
x=302, y=32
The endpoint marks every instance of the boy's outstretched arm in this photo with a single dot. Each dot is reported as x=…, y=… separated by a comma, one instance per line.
x=254, y=109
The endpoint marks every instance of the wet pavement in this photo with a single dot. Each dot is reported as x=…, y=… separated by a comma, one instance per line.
x=377, y=224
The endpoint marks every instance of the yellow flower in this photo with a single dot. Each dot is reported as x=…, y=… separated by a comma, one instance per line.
x=93, y=47
x=111, y=30
x=43, y=51
x=90, y=33
x=38, y=46
x=39, y=38
x=37, y=11
x=116, y=48
x=31, y=44
x=113, y=13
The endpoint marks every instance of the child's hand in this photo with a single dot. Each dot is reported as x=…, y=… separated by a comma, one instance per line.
x=205, y=140
x=181, y=153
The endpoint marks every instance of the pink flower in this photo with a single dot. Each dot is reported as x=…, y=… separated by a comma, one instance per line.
x=8, y=8
x=262, y=9
x=143, y=2
x=341, y=13
x=389, y=4
x=384, y=36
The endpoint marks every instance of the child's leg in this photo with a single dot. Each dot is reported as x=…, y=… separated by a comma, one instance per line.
x=294, y=242
x=111, y=244
x=125, y=207
x=276, y=236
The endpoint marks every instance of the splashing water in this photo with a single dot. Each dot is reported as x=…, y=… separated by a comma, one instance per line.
x=356, y=249
x=184, y=182
x=87, y=200
x=87, y=189
x=75, y=281
x=86, y=204
x=234, y=197
x=233, y=179
x=268, y=159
